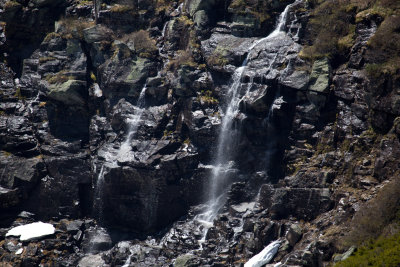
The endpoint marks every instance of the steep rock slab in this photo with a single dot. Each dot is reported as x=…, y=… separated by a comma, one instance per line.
x=303, y=203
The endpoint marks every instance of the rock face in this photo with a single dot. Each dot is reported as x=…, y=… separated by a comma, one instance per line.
x=110, y=118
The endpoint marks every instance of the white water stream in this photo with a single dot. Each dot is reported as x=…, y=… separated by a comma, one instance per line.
x=227, y=136
x=110, y=158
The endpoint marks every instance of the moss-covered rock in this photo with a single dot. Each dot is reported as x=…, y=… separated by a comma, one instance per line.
x=319, y=78
x=70, y=92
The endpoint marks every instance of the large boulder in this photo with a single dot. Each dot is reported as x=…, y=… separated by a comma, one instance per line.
x=302, y=203
x=71, y=92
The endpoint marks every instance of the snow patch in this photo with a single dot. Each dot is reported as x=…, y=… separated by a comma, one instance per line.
x=31, y=231
x=265, y=256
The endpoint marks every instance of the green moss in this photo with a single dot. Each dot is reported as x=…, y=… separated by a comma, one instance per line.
x=18, y=94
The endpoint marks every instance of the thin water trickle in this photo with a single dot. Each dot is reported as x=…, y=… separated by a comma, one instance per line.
x=111, y=158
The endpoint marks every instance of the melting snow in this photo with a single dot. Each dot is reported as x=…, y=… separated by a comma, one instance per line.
x=265, y=256
x=31, y=231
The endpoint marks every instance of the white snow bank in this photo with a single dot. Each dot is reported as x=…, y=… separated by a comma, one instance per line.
x=265, y=256
x=32, y=231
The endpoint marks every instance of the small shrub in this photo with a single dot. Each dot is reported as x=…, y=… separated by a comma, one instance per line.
x=183, y=57
x=142, y=43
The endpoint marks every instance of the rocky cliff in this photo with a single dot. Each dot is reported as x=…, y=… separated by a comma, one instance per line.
x=112, y=116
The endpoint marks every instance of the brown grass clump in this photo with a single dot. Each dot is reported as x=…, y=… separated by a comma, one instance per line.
x=72, y=28
x=142, y=43
x=183, y=58
x=376, y=217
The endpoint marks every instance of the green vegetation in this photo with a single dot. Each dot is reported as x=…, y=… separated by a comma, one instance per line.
x=331, y=32
x=59, y=78
x=11, y=5
x=218, y=57
x=382, y=252
x=207, y=97
x=162, y=6
x=384, y=49
x=18, y=94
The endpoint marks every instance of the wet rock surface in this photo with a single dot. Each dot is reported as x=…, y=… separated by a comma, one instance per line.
x=108, y=132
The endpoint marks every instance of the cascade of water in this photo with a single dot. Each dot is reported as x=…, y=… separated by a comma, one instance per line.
x=123, y=150
x=227, y=136
x=133, y=123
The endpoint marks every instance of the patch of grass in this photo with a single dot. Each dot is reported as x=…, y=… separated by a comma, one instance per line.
x=60, y=77
x=121, y=8
x=142, y=43
x=207, y=97
x=50, y=36
x=46, y=59
x=383, y=54
x=73, y=27
x=185, y=21
x=218, y=58
x=385, y=251
x=18, y=94
x=6, y=153
x=11, y=5
x=183, y=58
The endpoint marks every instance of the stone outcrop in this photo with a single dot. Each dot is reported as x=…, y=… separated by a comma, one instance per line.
x=109, y=124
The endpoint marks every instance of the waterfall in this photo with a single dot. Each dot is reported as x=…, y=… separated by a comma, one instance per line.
x=133, y=124
x=227, y=136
